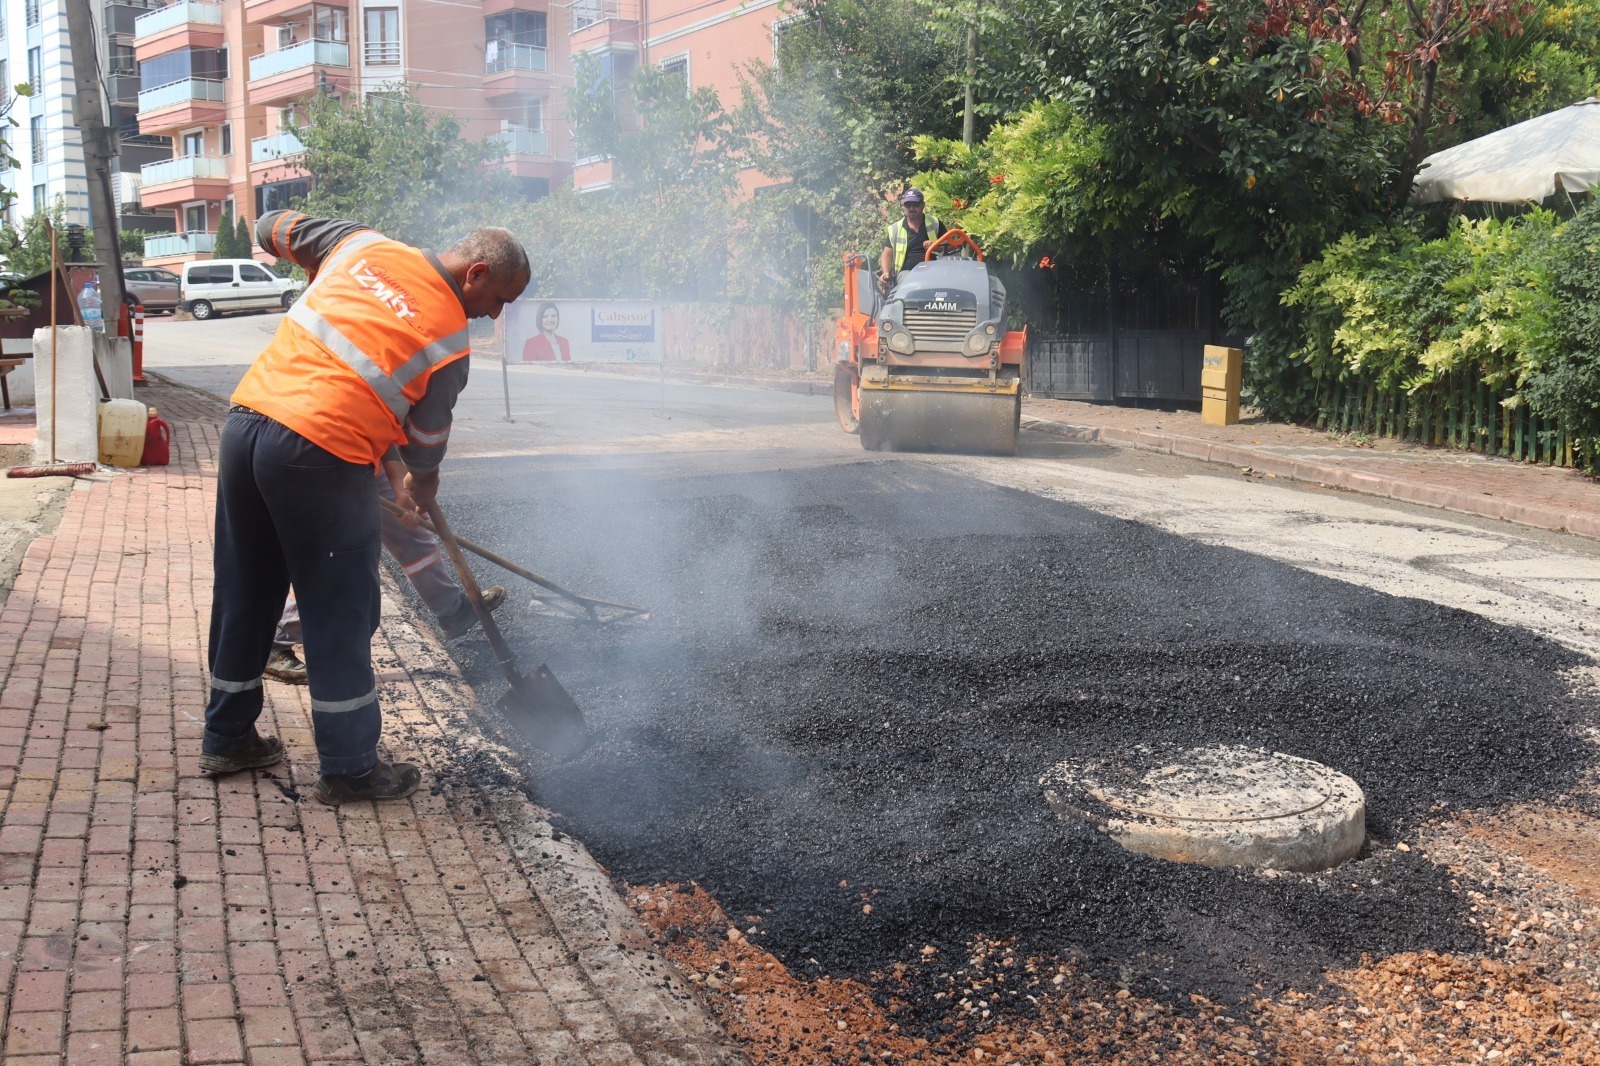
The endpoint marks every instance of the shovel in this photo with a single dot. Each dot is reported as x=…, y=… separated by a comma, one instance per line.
x=536, y=704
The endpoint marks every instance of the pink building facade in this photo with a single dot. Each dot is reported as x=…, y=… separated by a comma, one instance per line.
x=709, y=42
x=226, y=80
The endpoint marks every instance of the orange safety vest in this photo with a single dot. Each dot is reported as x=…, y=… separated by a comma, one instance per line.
x=357, y=349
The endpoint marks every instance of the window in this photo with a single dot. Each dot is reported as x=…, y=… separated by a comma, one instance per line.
x=31, y=10
x=194, y=142
x=227, y=138
x=381, y=47
x=5, y=80
x=38, y=198
x=210, y=64
x=203, y=274
x=330, y=24
x=251, y=272
x=533, y=114
x=515, y=41
x=36, y=135
x=194, y=218
x=678, y=66
x=35, y=69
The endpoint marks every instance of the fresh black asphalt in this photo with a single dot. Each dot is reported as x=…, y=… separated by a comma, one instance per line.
x=855, y=674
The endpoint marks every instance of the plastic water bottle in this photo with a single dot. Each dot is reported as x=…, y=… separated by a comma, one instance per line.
x=89, y=304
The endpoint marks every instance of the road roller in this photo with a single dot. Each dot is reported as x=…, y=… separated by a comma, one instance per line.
x=929, y=366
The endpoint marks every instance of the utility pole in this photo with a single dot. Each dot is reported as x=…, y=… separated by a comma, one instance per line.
x=99, y=152
x=972, y=75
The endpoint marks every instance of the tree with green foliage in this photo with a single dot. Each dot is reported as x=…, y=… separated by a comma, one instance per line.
x=244, y=240
x=662, y=227
x=833, y=123
x=402, y=168
x=27, y=249
x=225, y=244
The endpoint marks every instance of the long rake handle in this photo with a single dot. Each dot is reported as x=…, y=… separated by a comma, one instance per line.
x=589, y=603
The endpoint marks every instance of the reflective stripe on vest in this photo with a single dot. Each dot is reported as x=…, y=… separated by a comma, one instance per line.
x=370, y=316
x=900, y=238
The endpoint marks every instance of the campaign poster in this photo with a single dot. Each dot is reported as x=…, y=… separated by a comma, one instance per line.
x=583, y=331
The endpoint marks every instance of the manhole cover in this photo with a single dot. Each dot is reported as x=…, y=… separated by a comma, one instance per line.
x=1218, y=806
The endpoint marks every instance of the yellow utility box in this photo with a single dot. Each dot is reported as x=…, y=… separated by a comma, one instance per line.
x=1221, y=381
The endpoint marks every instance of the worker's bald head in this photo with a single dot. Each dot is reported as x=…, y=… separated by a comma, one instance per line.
x=491, y=267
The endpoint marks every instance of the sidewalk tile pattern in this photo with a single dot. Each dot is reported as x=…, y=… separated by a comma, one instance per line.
x=149, y=914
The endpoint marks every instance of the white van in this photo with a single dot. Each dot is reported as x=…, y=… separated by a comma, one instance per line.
x=211, y=287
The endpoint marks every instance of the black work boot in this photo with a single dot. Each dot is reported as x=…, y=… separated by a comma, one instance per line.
x=284, y=665
x=261, y=751
x=385, y=781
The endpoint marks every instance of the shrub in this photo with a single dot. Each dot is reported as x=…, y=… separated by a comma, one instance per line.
x=1564, y=377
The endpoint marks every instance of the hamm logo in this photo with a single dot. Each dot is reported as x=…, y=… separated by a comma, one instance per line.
x=941, y=305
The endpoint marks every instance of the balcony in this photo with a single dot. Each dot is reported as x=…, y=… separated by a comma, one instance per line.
x=298, y=70
x=515, y=69
x=278, y=146
x=185, y=24
x=528, y=154
x=276, y=157
x=599, y=22
x=278, y=12
x=174, y=182
x=170, y=246
x=518, y=141
x=188, y=102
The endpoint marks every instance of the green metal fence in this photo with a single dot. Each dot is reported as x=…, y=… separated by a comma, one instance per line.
x=1458, y=411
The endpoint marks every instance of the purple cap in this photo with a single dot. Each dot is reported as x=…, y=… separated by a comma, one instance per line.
x=911, y=196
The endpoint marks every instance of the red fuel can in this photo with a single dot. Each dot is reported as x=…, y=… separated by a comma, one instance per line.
x=157, y=441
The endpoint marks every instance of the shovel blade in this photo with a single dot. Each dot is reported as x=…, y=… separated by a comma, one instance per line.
x=544, y=713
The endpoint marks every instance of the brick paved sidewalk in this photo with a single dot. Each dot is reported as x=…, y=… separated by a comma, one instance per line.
x=151, y=915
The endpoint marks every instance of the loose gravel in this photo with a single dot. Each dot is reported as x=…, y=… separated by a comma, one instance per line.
x=854, y=676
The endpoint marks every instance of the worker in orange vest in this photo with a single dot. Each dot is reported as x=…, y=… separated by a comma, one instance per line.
x=366, y=366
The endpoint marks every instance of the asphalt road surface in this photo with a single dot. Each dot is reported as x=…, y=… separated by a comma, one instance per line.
x=858, y=666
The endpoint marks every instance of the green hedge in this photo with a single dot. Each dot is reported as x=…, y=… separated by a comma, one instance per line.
x=1510, y=306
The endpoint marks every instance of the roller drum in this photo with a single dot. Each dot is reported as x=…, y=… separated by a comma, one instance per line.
x=905, y=418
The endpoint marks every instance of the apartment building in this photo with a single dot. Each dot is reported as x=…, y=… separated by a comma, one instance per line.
x=226, y=79
x=709, y=42
x=35, y=48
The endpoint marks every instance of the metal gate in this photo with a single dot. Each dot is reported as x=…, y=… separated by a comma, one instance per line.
x=1158, y=365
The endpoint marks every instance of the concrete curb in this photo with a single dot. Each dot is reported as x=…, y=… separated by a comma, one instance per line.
x=1329, y=475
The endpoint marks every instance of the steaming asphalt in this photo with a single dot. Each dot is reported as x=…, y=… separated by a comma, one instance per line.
x=858, y=666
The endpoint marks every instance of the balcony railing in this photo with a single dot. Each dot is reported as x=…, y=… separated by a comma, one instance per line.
x=179, y=244
x=380, y=53
x=178, y=14
x=277, y=146
x=506, y=55
x=304, y=54
x=519, y=141
x=179, y=92
x=183, y=168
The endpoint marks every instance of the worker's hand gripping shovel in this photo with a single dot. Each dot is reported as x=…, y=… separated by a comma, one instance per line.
x=537, y=705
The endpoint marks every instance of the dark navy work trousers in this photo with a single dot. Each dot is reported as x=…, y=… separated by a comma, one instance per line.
x=289, y=511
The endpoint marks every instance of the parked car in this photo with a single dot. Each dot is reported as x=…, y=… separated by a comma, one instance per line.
x=214, y=286
x=154, y=287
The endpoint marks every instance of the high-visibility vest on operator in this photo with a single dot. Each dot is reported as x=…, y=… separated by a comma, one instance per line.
x=357, y=349
x=900, y=236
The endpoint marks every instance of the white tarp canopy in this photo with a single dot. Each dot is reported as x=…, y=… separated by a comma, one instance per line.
x=1528, y=161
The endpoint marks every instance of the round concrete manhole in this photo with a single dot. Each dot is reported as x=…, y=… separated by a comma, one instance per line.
x=1220, y=806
